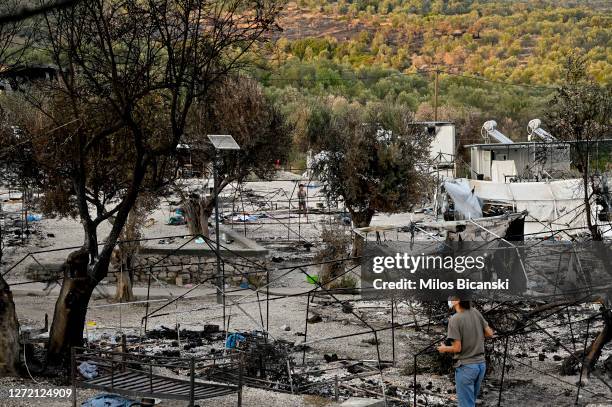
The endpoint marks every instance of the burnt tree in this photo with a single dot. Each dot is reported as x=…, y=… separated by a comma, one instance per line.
x=11, y=29
x=580, y=111
x=130, y=73
x=371, y=157
x=235, y=106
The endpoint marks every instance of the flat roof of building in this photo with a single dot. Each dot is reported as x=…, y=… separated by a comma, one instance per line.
x=526, y=144
x=434, y=123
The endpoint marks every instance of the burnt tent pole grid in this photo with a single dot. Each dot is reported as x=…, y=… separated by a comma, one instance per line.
x=306, y=327
x=584, y=352
x=503, y=372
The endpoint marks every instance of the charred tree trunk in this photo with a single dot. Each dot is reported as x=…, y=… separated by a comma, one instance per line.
x=71, y=307
x=360, y=220
x=583, y=166
x=571, y=364
x=9, y=331
x=594, y=351
x=593, y=228
x=84, y=269
x=336, y=248
x=197, y=213
x=124, y=254
x=124, y=291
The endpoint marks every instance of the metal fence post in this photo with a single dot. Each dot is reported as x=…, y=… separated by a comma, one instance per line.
x=73, y=374
x=336, y=390
x=124, y=351
x=240, y=381
x=414, y=367
x=191, y=382
x=501, y=383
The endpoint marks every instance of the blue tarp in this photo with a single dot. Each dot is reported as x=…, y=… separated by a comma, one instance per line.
x=109, y=400
x=233, y=339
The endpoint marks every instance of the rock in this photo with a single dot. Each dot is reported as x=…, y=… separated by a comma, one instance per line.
x=391, y=391
x=314, y=319
x=181, y=280
x=286, y=328
x=330, y=358
x=557, y=358
x=608, y=365
x=371, y=341
x=347, y=308
x=176, y=269
x=362, y=402
x=541, y=357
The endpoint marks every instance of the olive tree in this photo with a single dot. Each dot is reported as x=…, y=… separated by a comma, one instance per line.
x=13, y=31
x=130, y=75
x=235, y=106
x=372, y=157
x=580, y=111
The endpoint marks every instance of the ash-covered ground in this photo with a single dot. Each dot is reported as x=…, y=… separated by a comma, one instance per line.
x=339, y=339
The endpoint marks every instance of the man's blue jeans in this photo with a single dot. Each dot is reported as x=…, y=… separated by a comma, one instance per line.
x=468, y=379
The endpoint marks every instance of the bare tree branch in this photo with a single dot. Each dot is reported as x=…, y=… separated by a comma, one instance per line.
x=28, y=12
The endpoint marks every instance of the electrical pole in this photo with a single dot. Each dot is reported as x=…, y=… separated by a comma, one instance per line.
x=220, y=279
x=436, y=95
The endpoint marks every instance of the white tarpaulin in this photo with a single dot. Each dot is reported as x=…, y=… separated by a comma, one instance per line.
x=466, y=203
x=500, y=169
x=554, y=205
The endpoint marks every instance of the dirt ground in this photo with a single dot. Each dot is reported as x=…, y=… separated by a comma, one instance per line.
x=528, y=380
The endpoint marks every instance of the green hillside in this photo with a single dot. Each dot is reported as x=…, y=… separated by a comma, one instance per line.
x=496, y=59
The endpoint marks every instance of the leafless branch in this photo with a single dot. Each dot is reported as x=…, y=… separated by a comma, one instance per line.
x=28, y=12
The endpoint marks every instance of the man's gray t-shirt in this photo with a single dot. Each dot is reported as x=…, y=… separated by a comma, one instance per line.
x=468, y=326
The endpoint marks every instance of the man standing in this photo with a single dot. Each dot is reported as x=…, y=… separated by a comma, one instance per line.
x=467, y=330
x=302, y=202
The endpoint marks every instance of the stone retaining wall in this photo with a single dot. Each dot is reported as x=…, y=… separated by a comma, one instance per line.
x=176, y=269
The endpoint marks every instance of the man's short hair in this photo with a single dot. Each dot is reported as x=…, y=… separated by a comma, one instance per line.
x=301, y=185
x=465, y=304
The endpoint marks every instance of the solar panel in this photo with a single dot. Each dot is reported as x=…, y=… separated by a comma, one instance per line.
x=497, y=135
x=223, y=142
x=533, y=127
x=489, y=130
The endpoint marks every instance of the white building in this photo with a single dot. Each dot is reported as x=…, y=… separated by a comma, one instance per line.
x=527, y=161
